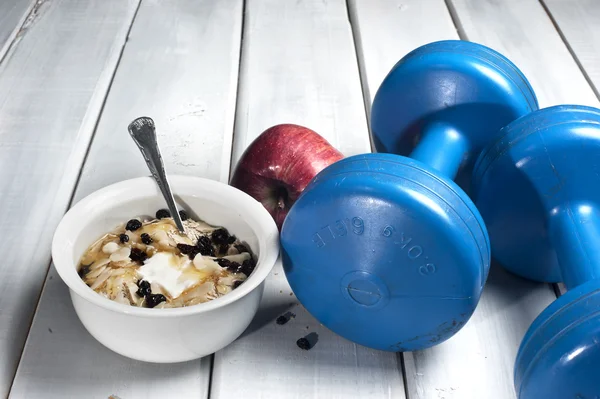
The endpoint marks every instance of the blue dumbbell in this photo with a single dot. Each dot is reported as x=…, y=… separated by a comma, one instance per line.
x=387, y=250
x=538, y=190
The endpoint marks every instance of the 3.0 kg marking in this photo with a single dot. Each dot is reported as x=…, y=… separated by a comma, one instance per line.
x=356, y=225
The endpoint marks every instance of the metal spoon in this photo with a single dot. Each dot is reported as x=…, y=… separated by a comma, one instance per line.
x=143, y=132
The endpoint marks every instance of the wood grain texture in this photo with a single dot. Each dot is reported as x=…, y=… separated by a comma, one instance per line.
x=386, y=30
x=51, y=90
x=13, y=14
x=478, y=361
x=62, y=360
x=299, y=66
x=167, y=72
x=579, y=22
x=522, y=31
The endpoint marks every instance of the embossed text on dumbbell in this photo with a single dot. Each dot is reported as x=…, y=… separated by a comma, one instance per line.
x=339, y=229
x=356, y=225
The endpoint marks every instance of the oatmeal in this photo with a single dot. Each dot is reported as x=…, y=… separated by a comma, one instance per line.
x=152, y=264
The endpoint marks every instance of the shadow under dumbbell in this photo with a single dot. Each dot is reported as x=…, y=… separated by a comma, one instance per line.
x=509, y=295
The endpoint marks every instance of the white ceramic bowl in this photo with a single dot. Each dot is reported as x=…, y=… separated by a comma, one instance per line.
x=176, y=334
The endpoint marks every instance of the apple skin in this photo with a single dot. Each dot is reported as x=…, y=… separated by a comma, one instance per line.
x=278, y=165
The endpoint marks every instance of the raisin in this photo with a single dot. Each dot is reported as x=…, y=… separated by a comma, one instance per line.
x=248, y=266
x=154, y=299
x=143, y=288
x=123, y=238
x=186, y=249
x=303, y=344
x=146, y=239
x=205, y=247
x=223, y=248
x=163, y=213
x=137, y=255
x=207, y=250
x=133, y=225
x=189, y=250
x=241, y=248
x=204, y=240
x=233, y=267
x=220, y=236
x=85, y=269
x=183, y=215
x=236, y=284
x=284, y=318
x=308, y=342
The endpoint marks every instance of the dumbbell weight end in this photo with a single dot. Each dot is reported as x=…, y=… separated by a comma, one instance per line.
x=458, y=92
x=386, y=249
x=538, y=190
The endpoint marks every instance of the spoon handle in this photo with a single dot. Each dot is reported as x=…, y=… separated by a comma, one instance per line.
x=143, y=132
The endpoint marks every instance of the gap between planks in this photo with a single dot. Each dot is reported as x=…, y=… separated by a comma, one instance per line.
x=183, y=122
x=571, y=51
x=22, y=23
x=362, y=73
x=211, y=367
x=90, y=123
x=306, y=84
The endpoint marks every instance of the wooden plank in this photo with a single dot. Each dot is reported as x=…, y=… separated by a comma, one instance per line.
x=408, y=24
x=51, y=91
x=299, y=66
x=478, y=361
x=579, y=23
x=179, y=67
x=521, y=30
x=13, y=15
x=62, y=360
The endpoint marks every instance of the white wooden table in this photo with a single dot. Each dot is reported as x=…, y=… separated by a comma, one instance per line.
x=214, y=74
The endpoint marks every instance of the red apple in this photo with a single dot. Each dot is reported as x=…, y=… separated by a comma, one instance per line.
x=279, y=164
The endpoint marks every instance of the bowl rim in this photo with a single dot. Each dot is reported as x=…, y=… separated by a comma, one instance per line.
x=254, y=214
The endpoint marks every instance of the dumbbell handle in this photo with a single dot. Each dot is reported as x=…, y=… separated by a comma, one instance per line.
x=575, y=234
x=443, y=148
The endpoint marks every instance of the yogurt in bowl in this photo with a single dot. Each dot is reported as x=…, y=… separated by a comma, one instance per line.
x=150, y=263
x=229, y=281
